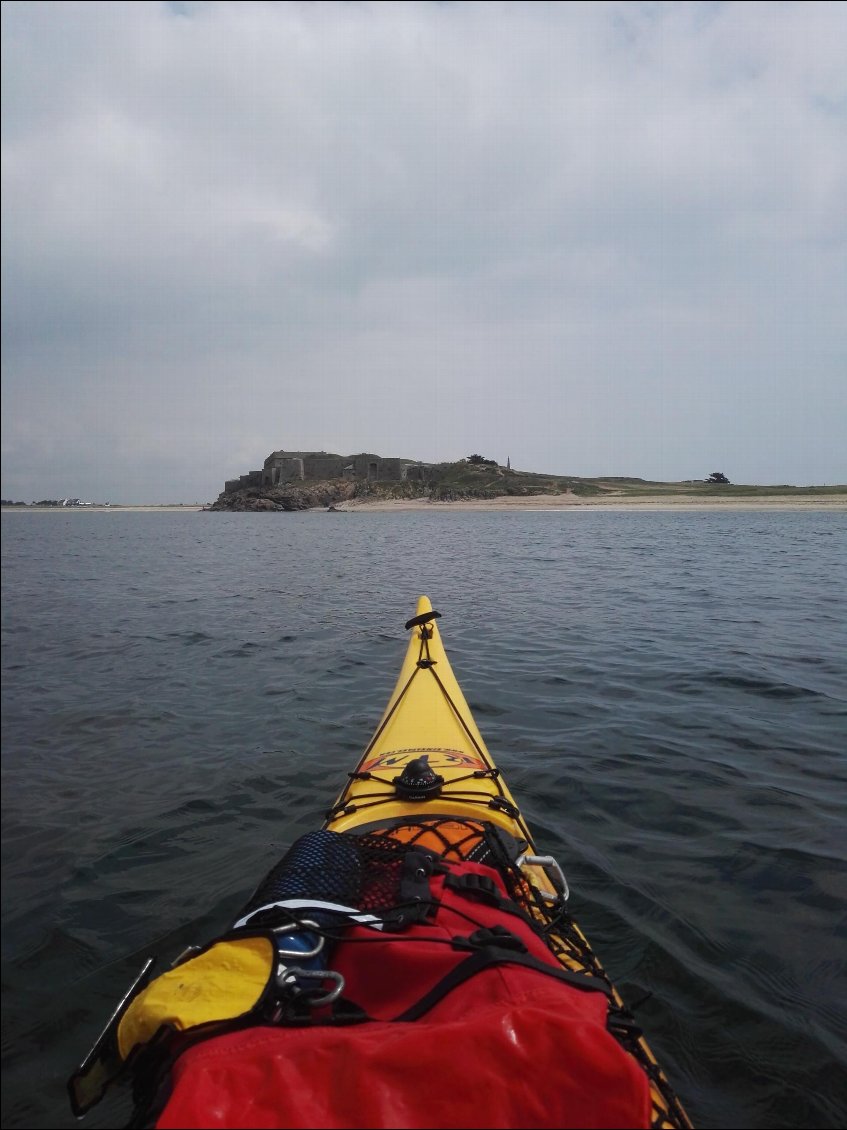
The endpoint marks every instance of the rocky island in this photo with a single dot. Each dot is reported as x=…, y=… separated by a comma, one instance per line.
x=304, y=480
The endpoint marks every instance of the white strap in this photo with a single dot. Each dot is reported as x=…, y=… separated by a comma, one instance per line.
x=349, y=912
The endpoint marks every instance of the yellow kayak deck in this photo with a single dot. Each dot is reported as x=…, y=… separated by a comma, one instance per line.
x=427, y=721
x=427, y=762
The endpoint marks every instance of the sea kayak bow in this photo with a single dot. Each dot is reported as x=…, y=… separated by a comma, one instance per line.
x=410, y=964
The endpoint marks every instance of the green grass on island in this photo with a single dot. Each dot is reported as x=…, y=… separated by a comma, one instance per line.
x=465, y=480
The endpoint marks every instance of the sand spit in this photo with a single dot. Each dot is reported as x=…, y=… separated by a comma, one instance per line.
x=606, y=502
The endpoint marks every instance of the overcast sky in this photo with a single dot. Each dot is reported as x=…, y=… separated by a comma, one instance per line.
x=599, y=238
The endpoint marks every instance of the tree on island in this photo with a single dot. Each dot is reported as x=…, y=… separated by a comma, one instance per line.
x=479, y=459
x=717, y=477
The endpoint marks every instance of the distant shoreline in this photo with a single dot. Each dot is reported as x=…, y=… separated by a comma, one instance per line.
x=542, y=502
x=176, y=507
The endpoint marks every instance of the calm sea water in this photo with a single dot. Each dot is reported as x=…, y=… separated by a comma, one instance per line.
x=666, y=692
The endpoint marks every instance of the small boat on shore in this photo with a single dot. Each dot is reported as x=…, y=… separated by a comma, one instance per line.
x=411, y=963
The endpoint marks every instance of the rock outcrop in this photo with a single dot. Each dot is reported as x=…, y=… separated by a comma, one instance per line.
x=287, y=497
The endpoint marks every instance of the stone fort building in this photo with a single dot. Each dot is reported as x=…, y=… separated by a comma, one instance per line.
x=283, y=467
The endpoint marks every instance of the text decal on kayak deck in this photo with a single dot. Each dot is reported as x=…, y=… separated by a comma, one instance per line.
x=439, y=758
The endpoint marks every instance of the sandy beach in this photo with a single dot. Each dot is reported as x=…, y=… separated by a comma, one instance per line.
x=607, y=502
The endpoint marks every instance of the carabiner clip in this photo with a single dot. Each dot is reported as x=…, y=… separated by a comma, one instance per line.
x=302, y=932
x=288, y=979
x=554, y=873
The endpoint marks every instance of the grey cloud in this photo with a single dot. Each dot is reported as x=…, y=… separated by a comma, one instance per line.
x=285, y=224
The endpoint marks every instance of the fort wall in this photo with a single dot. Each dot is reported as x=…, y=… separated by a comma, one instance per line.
x=282, y=467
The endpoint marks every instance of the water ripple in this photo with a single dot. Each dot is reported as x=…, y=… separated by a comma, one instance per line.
x=664, y=692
